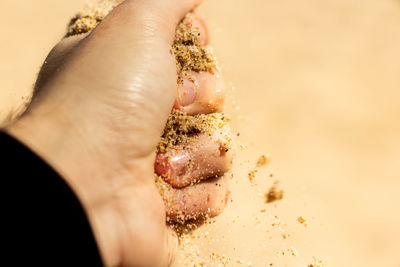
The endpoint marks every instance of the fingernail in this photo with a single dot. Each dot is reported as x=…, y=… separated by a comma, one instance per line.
x=161, y=165
x=172, y=167
x=186, y=92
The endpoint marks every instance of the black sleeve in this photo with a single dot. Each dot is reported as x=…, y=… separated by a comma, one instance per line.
x=43, y=222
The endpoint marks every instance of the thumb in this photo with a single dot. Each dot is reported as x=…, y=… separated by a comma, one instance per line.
x=164, y=13
x=127, y=62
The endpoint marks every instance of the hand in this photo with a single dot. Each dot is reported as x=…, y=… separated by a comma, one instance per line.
x=100, y=105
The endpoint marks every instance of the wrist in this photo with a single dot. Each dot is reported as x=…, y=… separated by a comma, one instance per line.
x=94, y=173
x=56, y=142
x=51, y=138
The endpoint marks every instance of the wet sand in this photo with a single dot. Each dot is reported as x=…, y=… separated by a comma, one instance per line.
x=317, y=87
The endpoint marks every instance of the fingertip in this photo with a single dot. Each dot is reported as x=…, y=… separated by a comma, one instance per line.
x=161, y=165
x=186, y=92
x=201, y=93
x=173, y=167
x=201, y=158
x=207, y=199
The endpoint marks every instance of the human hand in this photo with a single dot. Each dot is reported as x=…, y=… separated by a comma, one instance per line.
x=100, y=106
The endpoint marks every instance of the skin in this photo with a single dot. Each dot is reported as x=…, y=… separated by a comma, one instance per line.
x=203, y=157
x=100, y=104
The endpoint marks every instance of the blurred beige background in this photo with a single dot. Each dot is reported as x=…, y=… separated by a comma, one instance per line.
x=317, y=85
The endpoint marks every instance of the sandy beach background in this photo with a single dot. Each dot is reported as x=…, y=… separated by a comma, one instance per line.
x=316, y=84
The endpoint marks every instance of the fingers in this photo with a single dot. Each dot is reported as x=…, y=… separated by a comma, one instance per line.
x=200, y=158
x=207, y=198
x=200, y=92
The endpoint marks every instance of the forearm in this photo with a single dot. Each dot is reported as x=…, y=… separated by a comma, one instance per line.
x=44, y=220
